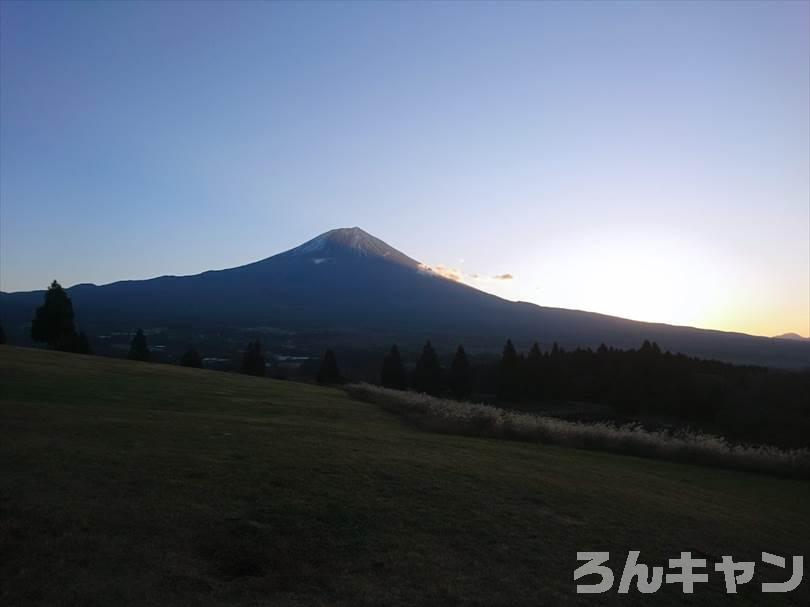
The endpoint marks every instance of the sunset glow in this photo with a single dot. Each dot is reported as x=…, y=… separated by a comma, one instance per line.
x=675, y=281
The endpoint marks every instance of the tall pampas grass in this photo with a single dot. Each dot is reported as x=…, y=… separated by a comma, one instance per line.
x=473, y=419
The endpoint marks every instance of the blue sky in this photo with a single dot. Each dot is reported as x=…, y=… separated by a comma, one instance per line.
x=644, y=159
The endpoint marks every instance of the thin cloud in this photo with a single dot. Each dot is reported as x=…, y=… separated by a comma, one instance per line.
x=443, y=271
x=450, y=273
x=457, y=275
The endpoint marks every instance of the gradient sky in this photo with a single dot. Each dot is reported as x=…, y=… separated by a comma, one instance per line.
x=644, y=159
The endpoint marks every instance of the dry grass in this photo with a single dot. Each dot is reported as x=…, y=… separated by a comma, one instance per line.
x=471, y=419
x=132, y=484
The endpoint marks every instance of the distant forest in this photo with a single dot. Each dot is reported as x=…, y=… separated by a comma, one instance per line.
x=743, y=403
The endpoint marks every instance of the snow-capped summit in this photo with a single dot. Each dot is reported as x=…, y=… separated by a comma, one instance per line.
x=342, y=242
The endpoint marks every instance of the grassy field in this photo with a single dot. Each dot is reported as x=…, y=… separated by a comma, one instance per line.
x=135, y=484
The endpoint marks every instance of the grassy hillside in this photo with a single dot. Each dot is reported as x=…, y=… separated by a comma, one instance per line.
x=132, y=484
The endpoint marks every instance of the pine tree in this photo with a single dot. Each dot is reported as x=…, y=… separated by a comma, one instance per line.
x=82, y=344
x=509, y=373
x=191, y=358
x=534, y=372
x=427, y=376
x=253, y=362
x=393, y=371
x=138, y=350
x=53, y=320
x=556, y=383
x=460, y=377
x=329, y=373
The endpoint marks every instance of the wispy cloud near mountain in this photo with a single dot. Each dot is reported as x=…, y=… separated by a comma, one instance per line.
x=458, y=275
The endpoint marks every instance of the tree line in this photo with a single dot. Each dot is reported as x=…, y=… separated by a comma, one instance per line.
x=744, y=402
x=750, y=402
x=54, y=325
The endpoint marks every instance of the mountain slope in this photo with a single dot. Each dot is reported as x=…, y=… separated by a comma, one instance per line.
x=356, y=286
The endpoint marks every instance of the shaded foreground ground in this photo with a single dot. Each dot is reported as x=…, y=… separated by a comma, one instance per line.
x=131, y=484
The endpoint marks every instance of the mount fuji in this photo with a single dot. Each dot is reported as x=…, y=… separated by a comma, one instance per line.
x=359, y=289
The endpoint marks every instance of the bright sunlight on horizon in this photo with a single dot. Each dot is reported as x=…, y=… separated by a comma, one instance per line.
x=663, y=279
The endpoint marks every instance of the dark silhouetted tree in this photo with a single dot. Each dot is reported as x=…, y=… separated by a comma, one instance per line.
x=53, y=320
x=328, y=372
x=2, y=336
x=427, y=376
x=509, y=373
x=460, y=377
x=534, y=373
x=81, y=344
x=253, y=362
x=555, y=379
x=138, y=350
x=191, y=358
x=393, y=371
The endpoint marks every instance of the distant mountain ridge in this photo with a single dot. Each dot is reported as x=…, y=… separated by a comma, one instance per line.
x=794, y=336
x=359, y=289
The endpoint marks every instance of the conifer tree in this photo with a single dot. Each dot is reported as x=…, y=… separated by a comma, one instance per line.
x=53, y=320
x=191, y=358
x=427, y=376
x=460, y=377
x=253, y=362
x=509, y=373
x=534, y=372
x=82, y=344
x=138, y=350
x=556, y=384
x=393, y=371
x=329, y=373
